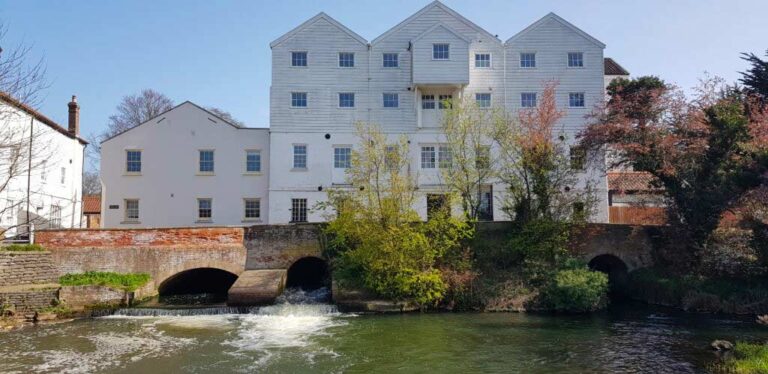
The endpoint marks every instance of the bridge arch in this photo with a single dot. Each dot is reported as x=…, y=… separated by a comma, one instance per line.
x=616, y=269
x=308, y=273
x=204, y=280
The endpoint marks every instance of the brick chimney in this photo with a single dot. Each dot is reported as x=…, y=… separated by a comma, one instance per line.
x=74, y=117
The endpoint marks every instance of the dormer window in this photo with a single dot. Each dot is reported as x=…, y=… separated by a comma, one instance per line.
x=346, y=60
x=441, y=51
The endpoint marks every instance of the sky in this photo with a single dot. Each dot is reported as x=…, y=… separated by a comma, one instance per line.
x=216, y=53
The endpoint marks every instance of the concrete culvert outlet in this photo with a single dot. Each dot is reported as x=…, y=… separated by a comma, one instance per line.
x=308, y=273
x=198, y=281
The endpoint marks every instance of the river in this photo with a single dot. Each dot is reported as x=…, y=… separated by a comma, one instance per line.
x=297, y=336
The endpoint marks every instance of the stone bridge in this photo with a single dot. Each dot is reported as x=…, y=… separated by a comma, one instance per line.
x=252, y=265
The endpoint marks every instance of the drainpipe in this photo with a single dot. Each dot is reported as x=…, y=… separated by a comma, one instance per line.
x=29, y=171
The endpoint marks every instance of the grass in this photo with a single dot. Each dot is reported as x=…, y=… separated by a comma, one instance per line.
x=22, y=248
x=127, y=282
x=747, y=358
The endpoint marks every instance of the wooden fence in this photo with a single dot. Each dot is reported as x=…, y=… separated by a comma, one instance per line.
x=637, y=215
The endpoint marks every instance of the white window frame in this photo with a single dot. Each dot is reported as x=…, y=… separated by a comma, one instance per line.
x=583, y=100
x=126, y=212
x=200, y=218
x=397, y=60
x=448, y=52
x=490, y=100
x=306, y=100
x=261, y=164
x=568, y=60
x=490, y=60
x=54, y=216
x=535, y=99
x=127, y=161
x=200, y=161
x=44, y=170
x=384, y=100
x=246, y=200
x=353, y=100
x=294, y=205
x=306, y=60
x=339, y=161
x=431, y=101
x=441, y=99
x=346, y=53
x=63, y=174
x=520, y=61
x=293, y=157
x=428, y=157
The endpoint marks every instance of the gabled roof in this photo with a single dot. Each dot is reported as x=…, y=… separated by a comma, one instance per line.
x=444, y=26
x=612, y=67
x=157, y=117
x=91, y=204
x=310, y=22
x=39, y=116
x=555, y=17
x=632, y=181
x=430, y=6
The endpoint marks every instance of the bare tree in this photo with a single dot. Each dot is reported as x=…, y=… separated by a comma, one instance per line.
x=91, y=183
x=223, y=114
x=132, y=111
x=20, y=79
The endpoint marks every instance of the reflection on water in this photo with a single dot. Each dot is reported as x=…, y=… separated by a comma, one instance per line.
x=301, y=334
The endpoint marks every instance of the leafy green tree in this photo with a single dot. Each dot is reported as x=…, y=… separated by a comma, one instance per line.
x=376, y=239
x=755, y=80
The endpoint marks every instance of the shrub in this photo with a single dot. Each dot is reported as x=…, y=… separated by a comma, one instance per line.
x=127, y=282
x=22, y=248
x=747, y=358
x=576, y=290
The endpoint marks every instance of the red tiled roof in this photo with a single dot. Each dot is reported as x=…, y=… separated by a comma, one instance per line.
x=631, y=181
x=91, y=204
x=39, y=116
x=613, y=68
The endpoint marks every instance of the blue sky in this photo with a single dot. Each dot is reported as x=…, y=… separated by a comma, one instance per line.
x=217, y=53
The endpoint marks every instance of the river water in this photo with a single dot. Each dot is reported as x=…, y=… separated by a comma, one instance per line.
x=298, y=335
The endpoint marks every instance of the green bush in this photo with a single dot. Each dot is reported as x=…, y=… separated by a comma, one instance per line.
x=747, y=358
x=127, y=282
x=576, y=290
x=22, y=248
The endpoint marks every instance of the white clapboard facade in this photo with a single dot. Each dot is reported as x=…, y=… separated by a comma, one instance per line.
x=325, y=78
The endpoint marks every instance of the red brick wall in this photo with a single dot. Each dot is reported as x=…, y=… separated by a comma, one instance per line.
x=202, y=237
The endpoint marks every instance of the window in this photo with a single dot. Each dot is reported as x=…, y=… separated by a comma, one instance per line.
x=445, y=101
x=252, y=209
x=528, y=99
x=10, y=209
x=298, y=210
x=298, y=58
x=576, y=99
x=482, y=60
x=253, y=161
x=346, y=100
x=485, y=208
x=437, y=204
x=299, y=99
x=391, y=159
x=391, y=100
x=483, y=157
x=390, y=60
x=575, y=59
x=445, y=157
x=299, y=156
x=131, y=210
x=578, y=158
x=133, y=161
x=44, y=171
x=63, y=175
x=204, y=209
x=440, y=51
x=483, y=100
x=206, y=161
x=579, y=209
x=427, y=101
x=342, y=157
x=55, y=216
x=527, y=60
x=346, y=60
x=428, y=157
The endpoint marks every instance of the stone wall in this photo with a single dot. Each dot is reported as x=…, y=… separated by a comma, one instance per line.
x=17, y=268
x=633, y=244
x=279, y=246
x=29, y=300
